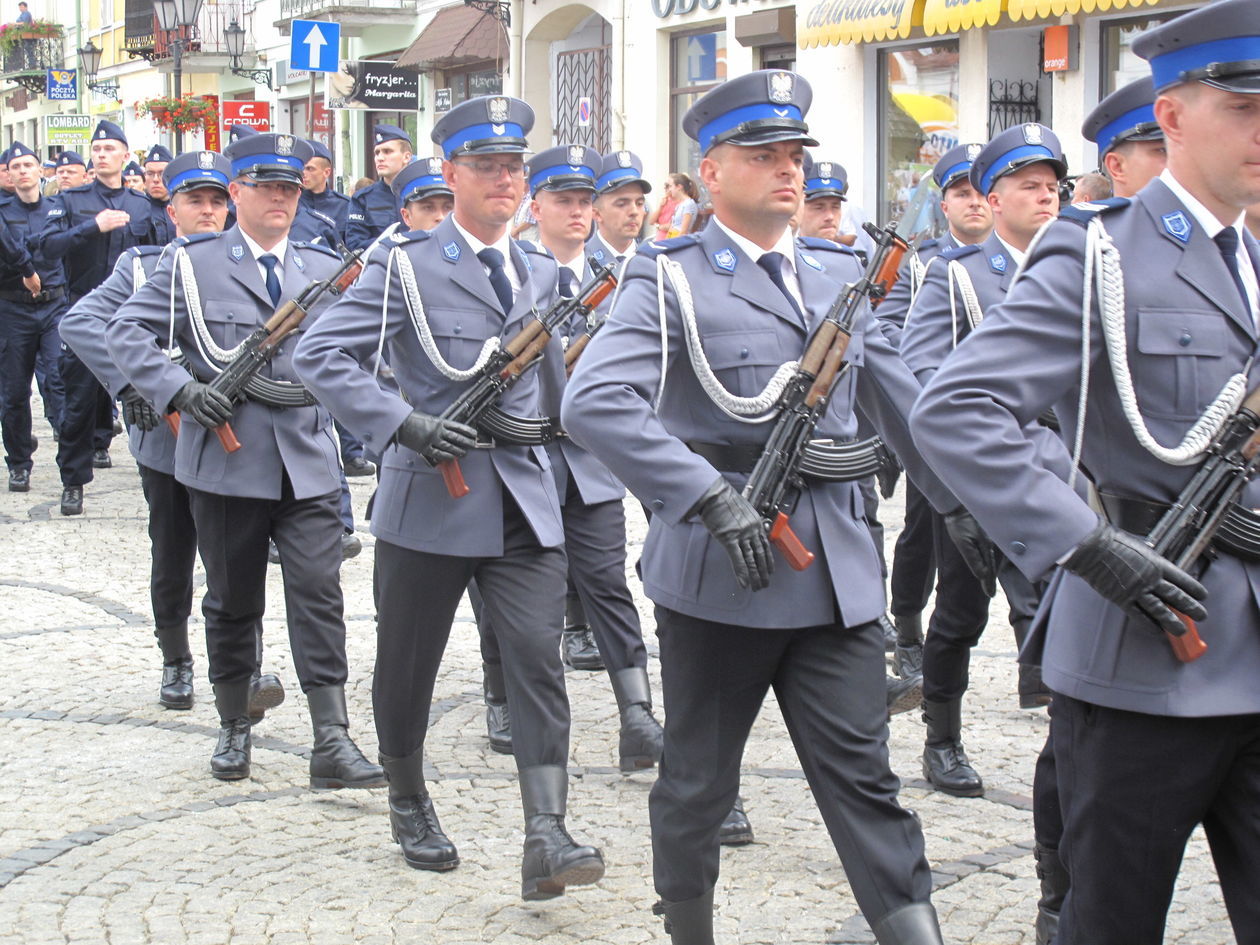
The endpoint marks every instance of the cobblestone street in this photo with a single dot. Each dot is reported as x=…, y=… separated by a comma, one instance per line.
x=112, y=830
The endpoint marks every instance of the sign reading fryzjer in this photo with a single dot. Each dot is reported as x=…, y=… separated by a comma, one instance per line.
x=374, y=84
x=69, y=132
x=255, y=114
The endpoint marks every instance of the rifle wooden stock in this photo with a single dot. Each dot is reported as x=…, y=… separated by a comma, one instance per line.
x=453, y=476
x=227, y=438
x=574, y=351
x=172, y=421
x=1189, y=646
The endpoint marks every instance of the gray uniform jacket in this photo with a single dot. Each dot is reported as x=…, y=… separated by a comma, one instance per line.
x=932, y=332
x=748, y=331
x=413, y=508
x=83, y=329
x=299, y=441
x=1187, y=332
x=892, y=311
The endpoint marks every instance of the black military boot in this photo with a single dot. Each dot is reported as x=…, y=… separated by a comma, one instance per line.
x=579, y=648
x=498, y=719
x=230, y=761
x=1054, y=888
x=914, y=924
x=908, y=653
x=553, y=860
x=736, y=830
x=265, y=689
x=176, y=691
x=944, y=761
x=889, y=631
x=642, y=739
x=689, y=922
x=413, y=823
x=336, y=761
x=1033, y=693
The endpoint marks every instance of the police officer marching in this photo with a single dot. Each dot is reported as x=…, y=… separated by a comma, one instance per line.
x=447, y=292
x=740, y=300
x=155, y=162
x=197, y=185
x=1129, y=317
x=318, y=192
x=424, y=198
x=210, y=293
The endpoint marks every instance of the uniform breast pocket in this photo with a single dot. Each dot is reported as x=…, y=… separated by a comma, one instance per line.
x=744, y=360
x=1181, y=364
x=459, y=335
x=228, y=326
x=140, y=225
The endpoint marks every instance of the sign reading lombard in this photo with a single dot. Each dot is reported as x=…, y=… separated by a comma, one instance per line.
x=70, y=132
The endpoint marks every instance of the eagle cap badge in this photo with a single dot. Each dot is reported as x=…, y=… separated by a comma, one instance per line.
x=624, y=159
x=781, y=84
x=824, y=169
x=576, y=153
x=1032, y=133
x=973, y=151
x=205, y=160
x=284, y=144
x=498, y=109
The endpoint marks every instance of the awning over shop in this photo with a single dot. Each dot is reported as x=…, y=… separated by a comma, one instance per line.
x=457, y=36
x=831, y=22
x=1034, y=9
x=951, y=16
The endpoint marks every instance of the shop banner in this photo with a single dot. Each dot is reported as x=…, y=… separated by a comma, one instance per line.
x=69, y=132
x=255, y=114
x=374, y=84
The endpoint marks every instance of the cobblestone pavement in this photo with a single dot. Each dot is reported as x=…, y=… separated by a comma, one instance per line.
x=111, y=829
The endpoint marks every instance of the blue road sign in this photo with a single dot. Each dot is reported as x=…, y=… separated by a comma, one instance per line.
x=702, y=58
x=314, y=46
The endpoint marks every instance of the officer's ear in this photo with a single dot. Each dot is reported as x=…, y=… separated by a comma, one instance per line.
x=710, y=170
x=1170, y=111
x=170, y=209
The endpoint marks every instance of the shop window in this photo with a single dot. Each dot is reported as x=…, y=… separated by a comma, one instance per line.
x=918, y=120
x=697, y=63
x=470, y=83
x=1120, y=65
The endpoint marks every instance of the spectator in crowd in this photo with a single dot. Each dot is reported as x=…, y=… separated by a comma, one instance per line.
x=665, y=215
x=24, y=13
x=360, y=184
x=1090, y=187
x=683, y=189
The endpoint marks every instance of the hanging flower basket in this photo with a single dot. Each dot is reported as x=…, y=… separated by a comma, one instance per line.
x=12, y=34
x=179, y=114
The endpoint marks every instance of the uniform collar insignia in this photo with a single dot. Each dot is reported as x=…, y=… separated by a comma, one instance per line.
x=998, y=262
x=1178, y=226
x=725, y=259
x=599, y=255
x=238, y=252
x=811, y=261
x=451, y=250
x=297, y=261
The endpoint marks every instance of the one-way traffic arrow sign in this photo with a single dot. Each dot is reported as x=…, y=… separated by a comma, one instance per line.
x=314, y=45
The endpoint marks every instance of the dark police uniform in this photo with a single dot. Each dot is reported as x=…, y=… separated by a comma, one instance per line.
x=330, y=202
x=813, y=635
x=376, y=207
x=89, y=257
x=1147, y=747
x=281, y=484
x=28, y=327
x=163, y=228
x=507, y=534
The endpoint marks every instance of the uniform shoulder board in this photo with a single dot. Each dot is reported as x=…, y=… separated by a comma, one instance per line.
x=929, y=244
x=958, y=252
x=319, y=248
x=194, y=238
x=145, y=250
x=537, y=249
x=813, y=242
x=409, y=236
x=656, y=247
x=1082, y=213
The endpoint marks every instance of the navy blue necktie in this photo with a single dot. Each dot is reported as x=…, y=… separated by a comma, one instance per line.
x=772, y=263
x=493, y=260
x=567, y=283
x=1227, y=240
x=269, y=262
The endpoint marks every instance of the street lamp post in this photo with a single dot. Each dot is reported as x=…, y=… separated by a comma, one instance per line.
x=178, y=17
x=90, y=61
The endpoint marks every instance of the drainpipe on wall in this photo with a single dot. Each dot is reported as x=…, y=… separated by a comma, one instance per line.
x=516, y=52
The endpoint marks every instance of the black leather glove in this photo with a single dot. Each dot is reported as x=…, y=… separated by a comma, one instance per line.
x=137, y=411
x=1129, y=573
x=740, y=531
x=202, y=404
x=974, y=546
x=435, y=439
x=887, y=477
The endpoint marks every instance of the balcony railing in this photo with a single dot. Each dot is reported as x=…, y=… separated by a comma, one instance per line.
x=143, y=38
x=299, y=9
x=27, y=62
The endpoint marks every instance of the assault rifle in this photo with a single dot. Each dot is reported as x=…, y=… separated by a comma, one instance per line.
x=577, y=346
x=261, y=345
x=505, y=366
x=804, y=399
x=1198, y=513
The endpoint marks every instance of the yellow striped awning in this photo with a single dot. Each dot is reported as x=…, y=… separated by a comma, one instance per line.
x=831, y=22
x=952, y=16
x=1035, y=9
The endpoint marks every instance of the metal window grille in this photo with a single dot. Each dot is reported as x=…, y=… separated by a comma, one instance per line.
x=584, y=73
x=1012, y=102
